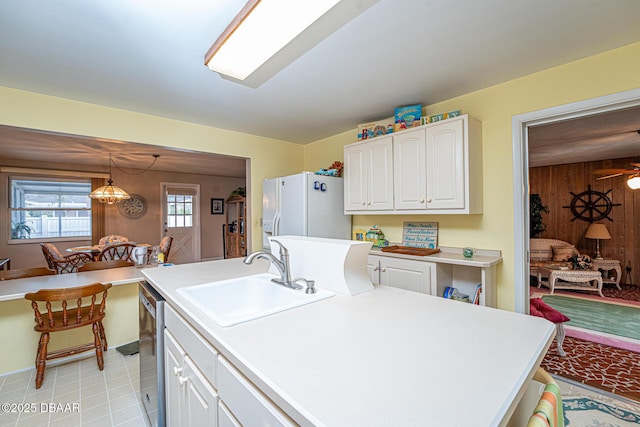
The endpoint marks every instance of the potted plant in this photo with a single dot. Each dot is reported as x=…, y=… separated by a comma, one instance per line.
x=536, y=209
x=20, y=230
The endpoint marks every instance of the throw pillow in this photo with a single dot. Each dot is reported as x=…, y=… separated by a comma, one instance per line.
x=563, y=253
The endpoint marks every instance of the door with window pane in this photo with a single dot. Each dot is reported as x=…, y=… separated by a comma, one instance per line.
x=181, y=216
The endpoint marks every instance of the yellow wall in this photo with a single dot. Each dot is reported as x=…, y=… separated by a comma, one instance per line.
x=269, y=157
x=611, y=72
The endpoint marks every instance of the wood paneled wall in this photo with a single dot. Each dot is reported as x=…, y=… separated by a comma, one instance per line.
x=555, y=184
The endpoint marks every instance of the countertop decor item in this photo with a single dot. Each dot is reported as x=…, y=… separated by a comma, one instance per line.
x=468, y=252
x=420, y=234
x=409, y=250
x=376, y=236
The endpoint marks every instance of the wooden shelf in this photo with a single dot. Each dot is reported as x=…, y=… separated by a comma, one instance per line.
x=235, y=239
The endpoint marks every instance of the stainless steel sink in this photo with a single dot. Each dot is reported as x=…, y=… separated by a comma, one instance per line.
x=234, y=301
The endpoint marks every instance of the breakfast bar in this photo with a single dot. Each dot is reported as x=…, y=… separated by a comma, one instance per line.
x=382, y=357
x=16, y=315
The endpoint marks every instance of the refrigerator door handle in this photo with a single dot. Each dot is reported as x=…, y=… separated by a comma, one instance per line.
x=276, y=225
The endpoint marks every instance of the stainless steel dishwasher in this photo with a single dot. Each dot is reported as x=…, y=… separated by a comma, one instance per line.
x=151, y=316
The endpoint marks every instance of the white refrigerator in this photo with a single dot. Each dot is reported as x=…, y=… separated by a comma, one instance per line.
x=304, y=204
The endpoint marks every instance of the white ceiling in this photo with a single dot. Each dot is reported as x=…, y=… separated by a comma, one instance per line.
x=147, y=56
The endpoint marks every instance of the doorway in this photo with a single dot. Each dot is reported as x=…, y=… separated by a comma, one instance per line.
x=181, y=220
x=520, y=126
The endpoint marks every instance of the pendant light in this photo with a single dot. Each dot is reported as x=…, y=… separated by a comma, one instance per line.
x=109, y=193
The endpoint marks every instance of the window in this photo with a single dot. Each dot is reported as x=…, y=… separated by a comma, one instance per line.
x=49, y=208
x=179, y=210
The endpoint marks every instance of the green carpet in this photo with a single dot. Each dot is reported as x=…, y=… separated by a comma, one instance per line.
x=598, y=316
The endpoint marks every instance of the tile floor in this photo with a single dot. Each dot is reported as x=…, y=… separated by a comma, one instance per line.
x=81, y=394
x=96, y=399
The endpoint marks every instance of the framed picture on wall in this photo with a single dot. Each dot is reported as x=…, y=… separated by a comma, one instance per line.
x=217, y=206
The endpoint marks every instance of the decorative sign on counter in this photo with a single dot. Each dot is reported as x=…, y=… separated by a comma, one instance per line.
x=420, y=234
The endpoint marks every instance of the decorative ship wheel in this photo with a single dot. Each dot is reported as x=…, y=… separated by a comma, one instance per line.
x=591, y=205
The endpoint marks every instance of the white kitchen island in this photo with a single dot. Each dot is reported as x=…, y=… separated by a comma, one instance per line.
x=387, y=357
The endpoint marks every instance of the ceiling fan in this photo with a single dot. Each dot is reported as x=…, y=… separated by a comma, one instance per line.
x=633, y=181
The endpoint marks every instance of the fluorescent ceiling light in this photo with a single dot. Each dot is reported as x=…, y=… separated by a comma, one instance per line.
x=276, y=32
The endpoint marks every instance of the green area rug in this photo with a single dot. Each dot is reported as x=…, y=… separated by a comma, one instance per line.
x=586, y=411
x=598, y=316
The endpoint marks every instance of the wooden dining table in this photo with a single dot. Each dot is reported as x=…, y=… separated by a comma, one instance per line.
x=95, y=250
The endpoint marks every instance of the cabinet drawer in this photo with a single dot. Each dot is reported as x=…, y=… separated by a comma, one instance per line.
x=248, y=404
x=193, y=343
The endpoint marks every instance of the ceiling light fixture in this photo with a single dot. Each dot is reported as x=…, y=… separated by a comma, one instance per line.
x=634, y=182
x=268, y=35
x=109, y=193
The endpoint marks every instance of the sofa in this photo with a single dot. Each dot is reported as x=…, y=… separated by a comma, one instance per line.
x=549, y=252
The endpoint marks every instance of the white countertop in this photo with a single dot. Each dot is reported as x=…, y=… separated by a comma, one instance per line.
x=450, y=255
x=16, y=288
x=386, y=357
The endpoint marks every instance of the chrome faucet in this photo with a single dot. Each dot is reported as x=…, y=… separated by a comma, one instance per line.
x=282, y=265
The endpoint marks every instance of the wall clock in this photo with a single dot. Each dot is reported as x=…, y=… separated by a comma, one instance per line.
x=134, y=207
x=591, y=205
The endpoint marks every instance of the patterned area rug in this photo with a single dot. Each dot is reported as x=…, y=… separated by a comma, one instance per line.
x=608, y=368
x=589, y=412
x=628, y=292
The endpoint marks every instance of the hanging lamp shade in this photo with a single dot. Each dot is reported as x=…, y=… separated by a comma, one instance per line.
x=109, y=193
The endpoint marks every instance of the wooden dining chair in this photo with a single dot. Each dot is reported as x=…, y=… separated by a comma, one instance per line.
x=122, y=251
x=103, y=265
x=65, y=309
x=64, y=264
x=21, y=273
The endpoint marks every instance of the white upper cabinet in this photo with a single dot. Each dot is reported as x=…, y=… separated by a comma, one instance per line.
x=368, y=176
x=446, y=165
x=431, y=169
x=409, y=190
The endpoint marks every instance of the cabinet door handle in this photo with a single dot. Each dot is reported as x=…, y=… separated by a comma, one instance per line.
x=368, y=203
x=183, y=380
x=364, y=203
x=177, y=371
x=428, y=200
x=383, y=270
x=421, y=200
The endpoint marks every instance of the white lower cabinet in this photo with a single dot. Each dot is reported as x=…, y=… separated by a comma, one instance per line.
x=413, y=276
x=191, y=400
x=204, y=389
x=201, y=399
x=434, y=274
x=247, y=404
x=225, y=417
